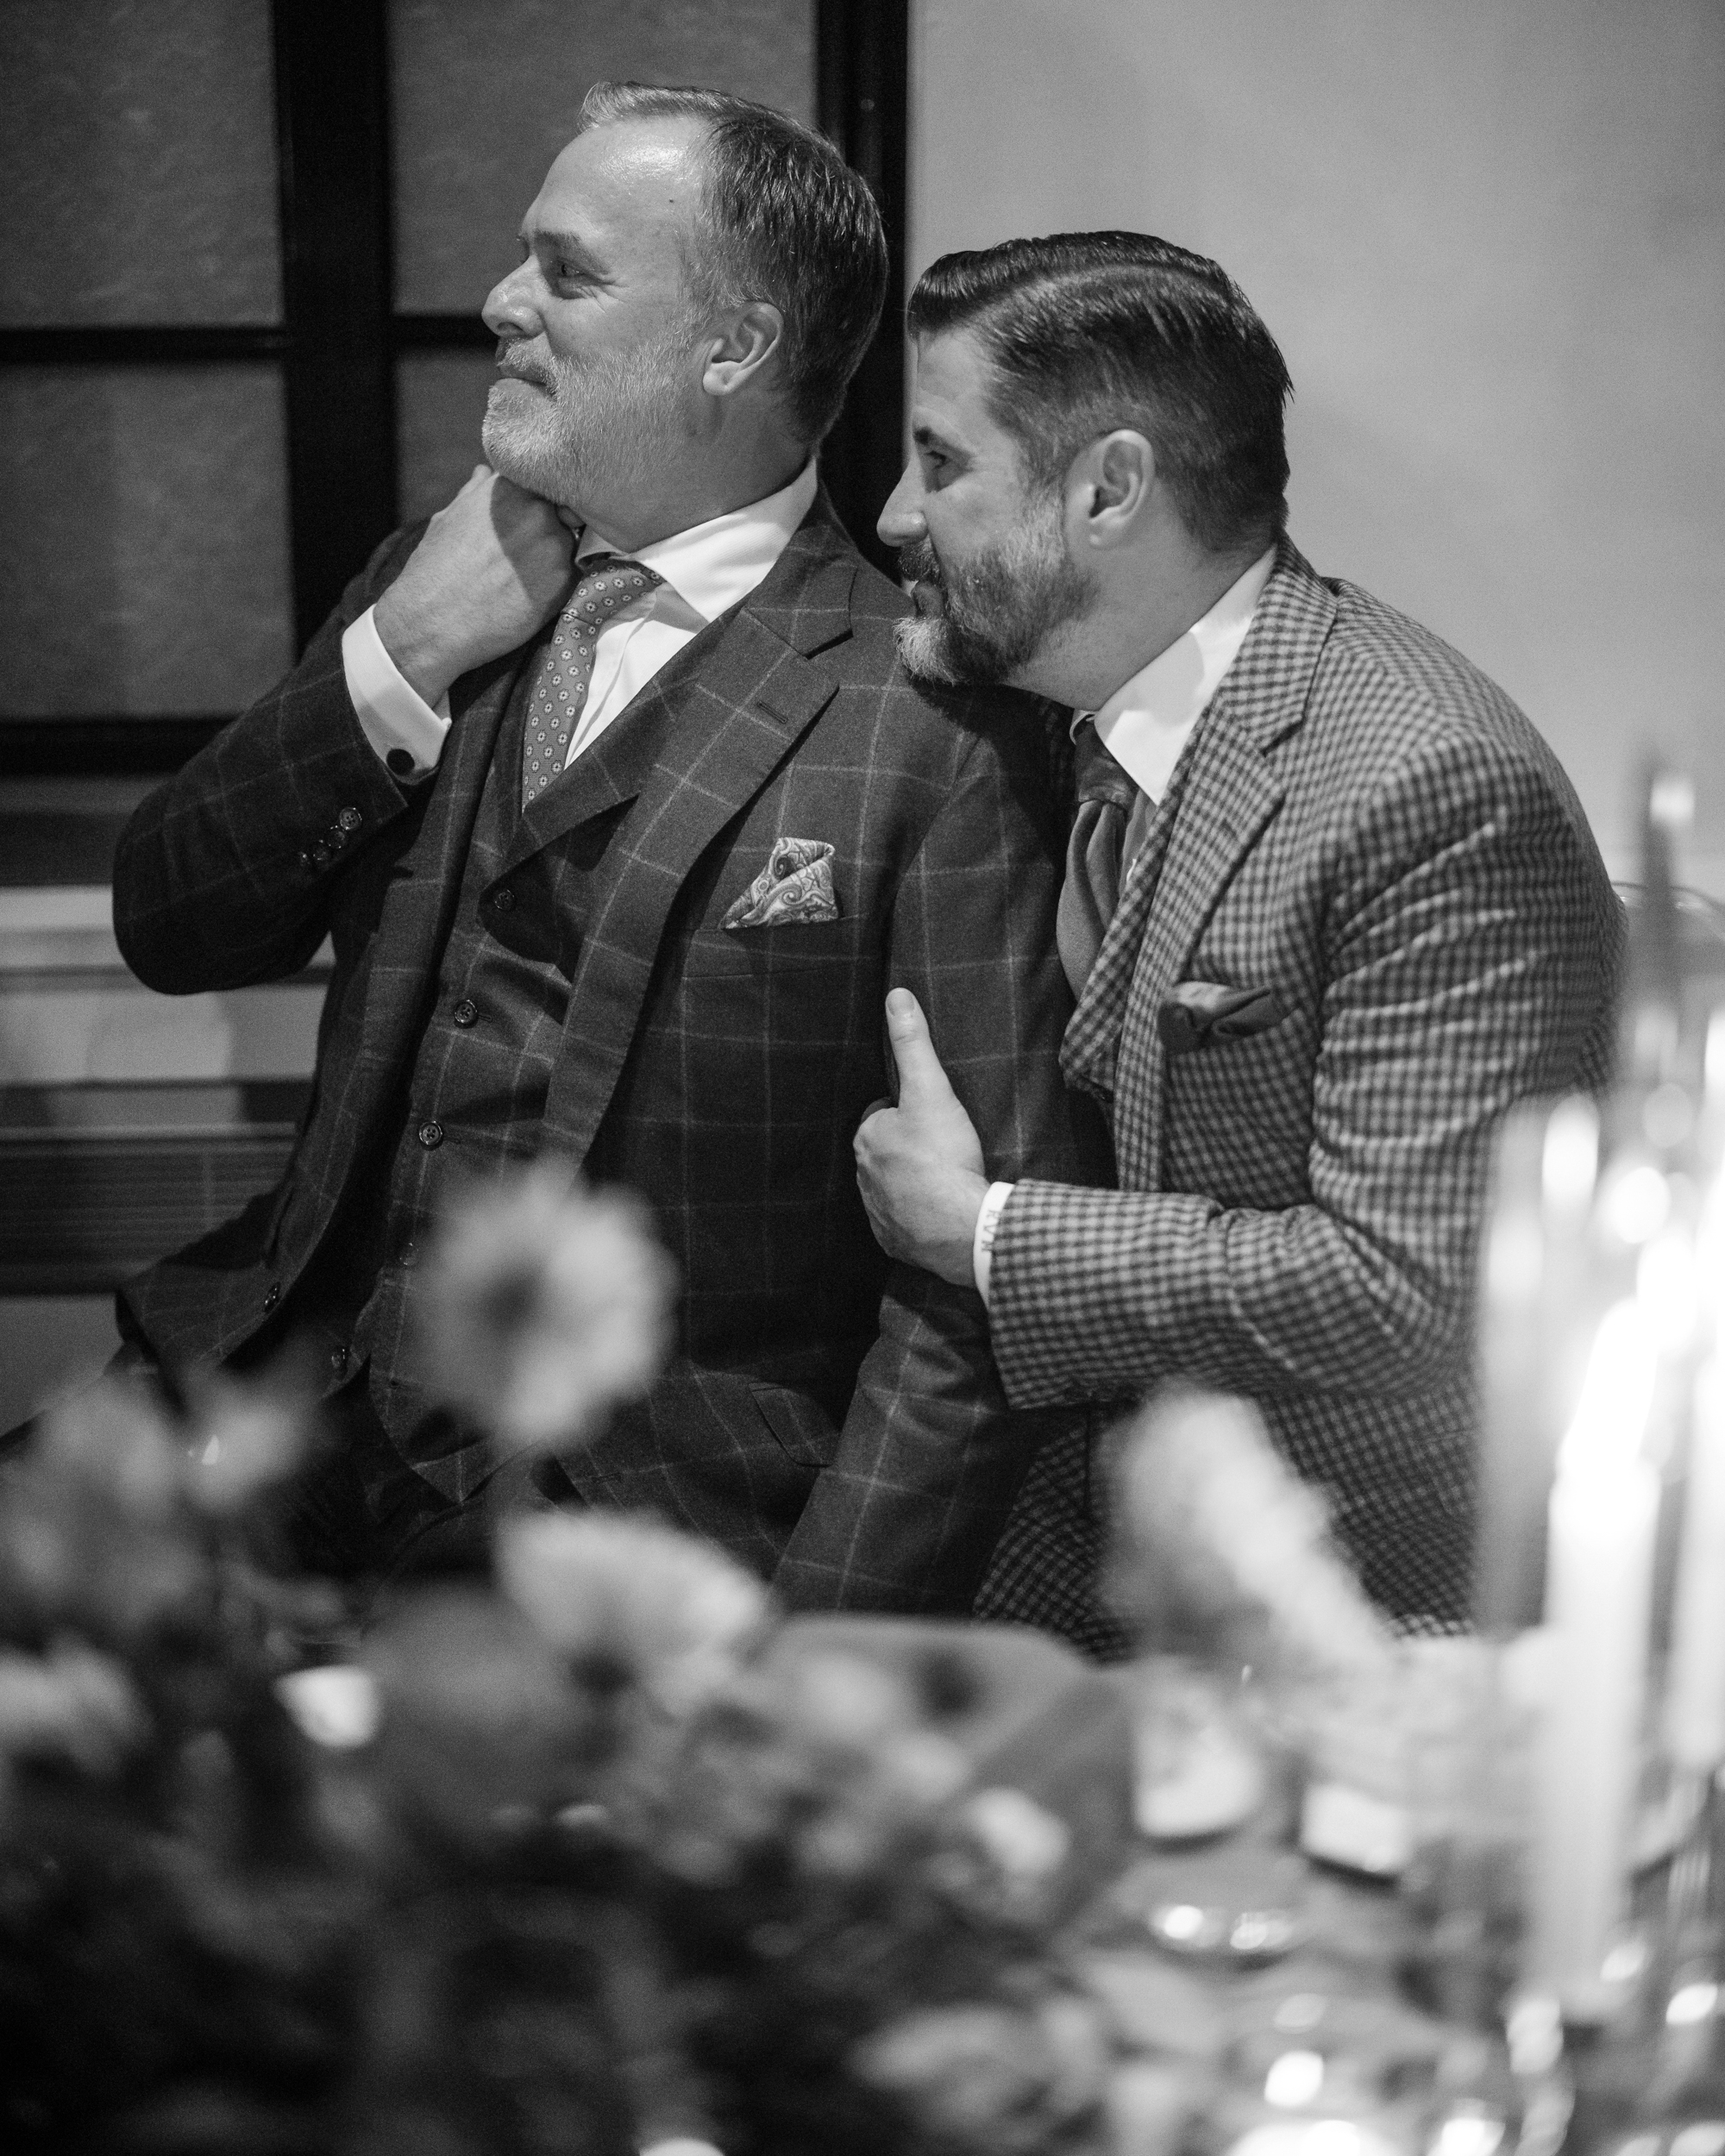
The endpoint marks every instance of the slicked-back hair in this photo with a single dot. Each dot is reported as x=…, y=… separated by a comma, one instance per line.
x=1088, y=331
x=782, y=218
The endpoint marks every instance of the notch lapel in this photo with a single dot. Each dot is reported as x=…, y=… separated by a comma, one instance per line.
x=721, y=724
x=607, y=774
x=1217, y=808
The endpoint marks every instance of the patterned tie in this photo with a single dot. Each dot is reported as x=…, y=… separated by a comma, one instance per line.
x=604, y=583
x=1107, y=798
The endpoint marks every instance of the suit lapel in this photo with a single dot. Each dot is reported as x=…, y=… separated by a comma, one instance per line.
x=719, y=721
x=609, y=773
x=1220, y=801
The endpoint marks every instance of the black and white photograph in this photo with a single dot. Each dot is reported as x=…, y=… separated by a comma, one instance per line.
x=862, y=1077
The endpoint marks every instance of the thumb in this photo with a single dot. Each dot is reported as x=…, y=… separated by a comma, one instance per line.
x=920, y=1076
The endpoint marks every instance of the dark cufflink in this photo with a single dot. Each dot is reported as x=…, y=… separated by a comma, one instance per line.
x=400, y=761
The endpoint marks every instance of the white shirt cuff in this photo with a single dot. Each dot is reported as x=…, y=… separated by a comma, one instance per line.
x=394, y=718
x=982, y=1245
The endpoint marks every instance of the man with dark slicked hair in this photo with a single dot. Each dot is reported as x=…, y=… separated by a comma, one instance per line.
x=1330, y=907
x=622, y=817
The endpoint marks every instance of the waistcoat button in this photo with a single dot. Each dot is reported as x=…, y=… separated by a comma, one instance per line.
x=338, y=1361
x=272, y=1294
x=504, y=899
x=466, y=1012
x=430, y=1135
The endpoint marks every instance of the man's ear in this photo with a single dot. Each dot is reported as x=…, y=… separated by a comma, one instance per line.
x=1109, y=488
x=743, y=347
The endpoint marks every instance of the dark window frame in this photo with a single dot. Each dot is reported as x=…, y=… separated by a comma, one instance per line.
x=340, y=336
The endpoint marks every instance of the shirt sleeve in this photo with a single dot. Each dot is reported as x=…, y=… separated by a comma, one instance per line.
x=983, y=1246
x=393, y=717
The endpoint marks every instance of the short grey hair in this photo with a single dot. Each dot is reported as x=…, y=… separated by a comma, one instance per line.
x=785, y=219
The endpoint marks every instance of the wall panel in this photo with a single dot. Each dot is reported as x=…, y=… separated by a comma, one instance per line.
x=1491, y=241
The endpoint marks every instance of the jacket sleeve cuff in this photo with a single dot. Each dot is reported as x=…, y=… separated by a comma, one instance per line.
x=983, y=1246
x=400, y=725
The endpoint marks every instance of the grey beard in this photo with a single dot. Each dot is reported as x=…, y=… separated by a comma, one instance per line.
x=606, y=426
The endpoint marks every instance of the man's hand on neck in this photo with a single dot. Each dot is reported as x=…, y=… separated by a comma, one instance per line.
x=492, y=567
x=497, y=563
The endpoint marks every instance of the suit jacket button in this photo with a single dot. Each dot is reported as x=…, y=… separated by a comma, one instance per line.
x=430, y=1135
x=272, y=1294
x=338, y=1362
x=409, y=1257
x=305, y=858
x=350, y=820
x=320, y=853
x=466, y=1012
x=504, y=899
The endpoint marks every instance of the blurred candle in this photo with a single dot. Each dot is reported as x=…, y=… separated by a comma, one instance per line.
x=1695, y=1723
x=1542, y=1186
x=1604, y=1507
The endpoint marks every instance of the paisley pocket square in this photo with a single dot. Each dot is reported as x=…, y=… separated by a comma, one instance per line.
x=1198, y=1012
x=796, y=884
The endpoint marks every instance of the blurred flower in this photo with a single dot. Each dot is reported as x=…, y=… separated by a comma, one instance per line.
x=70, y=1705
x=630, y=1604
x=820, y=1760
x=1001, y=1857
x=478, y=1731
x=112, y=1443
x=336, y=1706
x=1151, y=2104
x=1028, y=1843
x=242, y=1440
x=96, y=1536
x=1213, y=1531
x=993, y=2079
x=545, y=1306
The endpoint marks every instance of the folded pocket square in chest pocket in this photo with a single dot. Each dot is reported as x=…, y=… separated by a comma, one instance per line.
x=1200, y=1011
x=795, y=886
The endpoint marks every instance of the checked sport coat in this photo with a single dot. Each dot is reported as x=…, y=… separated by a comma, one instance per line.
x=834, y=1420
x=1370, y=858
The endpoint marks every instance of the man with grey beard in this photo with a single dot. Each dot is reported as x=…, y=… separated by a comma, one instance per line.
x=622, y=817
x=1330, y=907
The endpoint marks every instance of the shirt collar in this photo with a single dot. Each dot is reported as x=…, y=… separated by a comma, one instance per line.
x=712, y=566
x=1144, y=723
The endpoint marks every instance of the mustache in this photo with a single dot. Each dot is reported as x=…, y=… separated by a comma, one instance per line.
x=920, y=564
x=508, y=372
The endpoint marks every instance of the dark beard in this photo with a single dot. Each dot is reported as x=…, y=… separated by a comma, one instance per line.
x=996, y=613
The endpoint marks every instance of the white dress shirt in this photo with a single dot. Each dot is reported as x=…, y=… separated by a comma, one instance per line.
x=705, y=570
x=1144, y=726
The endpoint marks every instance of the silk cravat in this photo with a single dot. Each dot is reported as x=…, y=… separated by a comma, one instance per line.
x=605, y=584
x=1107, y=798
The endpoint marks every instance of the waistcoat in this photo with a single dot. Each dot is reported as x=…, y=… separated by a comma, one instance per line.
x=472, y=1107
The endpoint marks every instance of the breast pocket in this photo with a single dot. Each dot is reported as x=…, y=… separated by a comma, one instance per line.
x=754, y=953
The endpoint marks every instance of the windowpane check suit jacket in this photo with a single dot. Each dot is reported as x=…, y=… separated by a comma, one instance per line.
x=835, y=1421
x=1371, y=847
